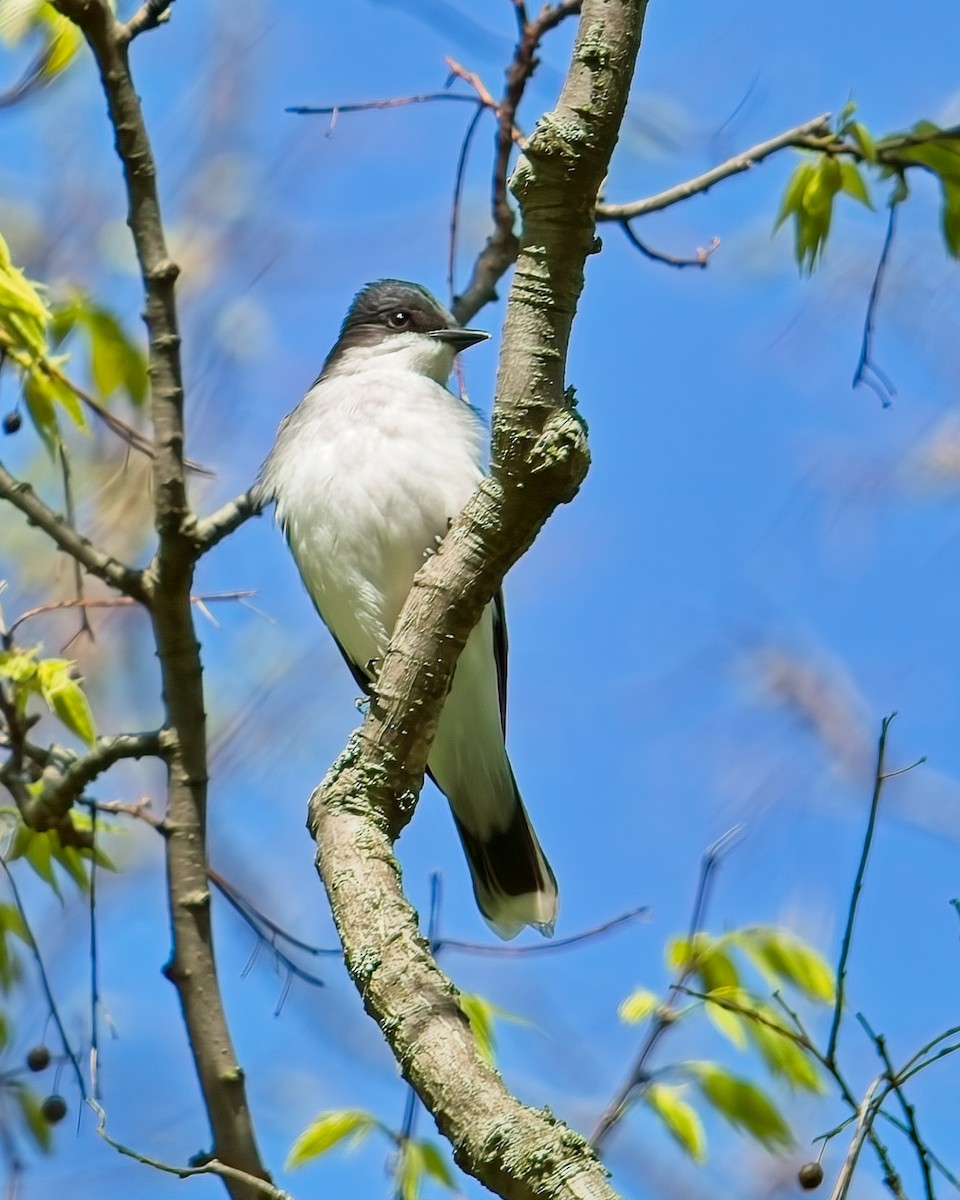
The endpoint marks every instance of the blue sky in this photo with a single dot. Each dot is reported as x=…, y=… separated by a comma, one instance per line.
x=743, y=503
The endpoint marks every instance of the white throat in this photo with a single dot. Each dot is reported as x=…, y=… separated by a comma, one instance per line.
x=416, y=352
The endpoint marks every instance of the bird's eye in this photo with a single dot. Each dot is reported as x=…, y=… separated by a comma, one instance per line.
x=399, y=319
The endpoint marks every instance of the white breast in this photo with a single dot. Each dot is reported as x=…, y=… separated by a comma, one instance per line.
x=367, y=473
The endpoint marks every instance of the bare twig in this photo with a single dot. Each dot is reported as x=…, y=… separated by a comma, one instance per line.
x=457, y=196
x=50, y=807
x=207, y=532
x=700, y=259
x=44, y=979
x=212, y=1166
x=333, y=110
x=71, y=520
x=149, y=15
x=104, y=566
x=663, y=1019
x=501, y=249
x=880, y=1043
x=831, y=1054
x=867, y=372
x=866, y=1113
x=799, y=136
x=575, y=939
x=120, y=602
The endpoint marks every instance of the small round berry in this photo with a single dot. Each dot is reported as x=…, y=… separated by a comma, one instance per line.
x=810, y=1176
x=12, y=422
x=54, y=1109
x=38, y=1058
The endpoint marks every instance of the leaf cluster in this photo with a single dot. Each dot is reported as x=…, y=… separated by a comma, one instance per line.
x=839, y=167
x=710, y=971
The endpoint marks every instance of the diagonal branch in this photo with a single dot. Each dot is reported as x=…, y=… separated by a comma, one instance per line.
x=800, y=135
x=97, y=562
x=68, y=784
x=539, y=460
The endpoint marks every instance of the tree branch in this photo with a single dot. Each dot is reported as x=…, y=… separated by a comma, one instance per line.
x=63, y=787
x=800, y=135
x=502, y=246
x=220, y=524
x=97, y=562
x=192, y=967
x=539, y=460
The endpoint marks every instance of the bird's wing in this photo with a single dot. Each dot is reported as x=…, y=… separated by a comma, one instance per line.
x=500, y=653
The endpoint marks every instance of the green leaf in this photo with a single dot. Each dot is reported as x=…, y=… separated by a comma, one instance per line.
x=40, y=399
x=680, y=1118
x=950, y=216
x=24, y=315
x=727, y=1022
x=784, y=1058
x=853, y=183
x=783, y=957
x=741, y=1103
x=65, y=698
x=846, y=113
x=864, y=139
x=36, y=1125
x=638, y=1006
x=716, y=969
x=479, y=1012
x=793, y=194
x=326, y=1131
x=436, y=1166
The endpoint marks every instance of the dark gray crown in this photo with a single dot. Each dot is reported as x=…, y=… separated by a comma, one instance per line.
x=378, y=302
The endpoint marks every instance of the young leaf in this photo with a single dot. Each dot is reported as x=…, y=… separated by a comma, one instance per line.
x=784, y=1058
x=638, y=1006
x=782, y=957
x=950, y=216
x=793, y=194
x=741, y=1103
x=727, y=1022
x=853, y=183
x=65, y=698
x=680, y=1118
x=435, y=1165
x=36, y=1125
x=326, y=1131
x=864, y=139
x=480, y=1013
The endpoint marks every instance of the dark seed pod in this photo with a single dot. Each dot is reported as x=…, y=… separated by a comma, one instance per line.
x=38, y=1058
x=54, y=1109
x=810, y=1176
x=12, y=422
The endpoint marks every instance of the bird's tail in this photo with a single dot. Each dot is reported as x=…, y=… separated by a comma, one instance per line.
x=512, y=880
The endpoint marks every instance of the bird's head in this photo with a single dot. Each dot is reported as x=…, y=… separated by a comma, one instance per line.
x=401, y=326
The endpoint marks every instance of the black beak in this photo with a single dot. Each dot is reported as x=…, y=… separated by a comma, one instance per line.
x=460, y=339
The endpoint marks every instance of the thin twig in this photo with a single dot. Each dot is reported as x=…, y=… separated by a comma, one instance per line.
x=819, y=127
x=574, y=939
x=71, y=520
x=149, y=15
x=913, y=1133
x=664, y=1018
x=104, y=566
x=700, y=259
x=121, y=602
x=44, y=979
x=867, y=372
x=865, y=1116
x=211, y=1167
x=457, y=197
x=831, y=1054
x=368, y=105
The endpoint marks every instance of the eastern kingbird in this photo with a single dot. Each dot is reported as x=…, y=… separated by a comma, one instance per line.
x=367, y=473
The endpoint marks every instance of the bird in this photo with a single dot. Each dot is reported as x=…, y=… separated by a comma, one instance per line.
x=366, y=475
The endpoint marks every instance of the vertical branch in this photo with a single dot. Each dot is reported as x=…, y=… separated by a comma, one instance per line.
x=192, y=967
x=879, y=777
